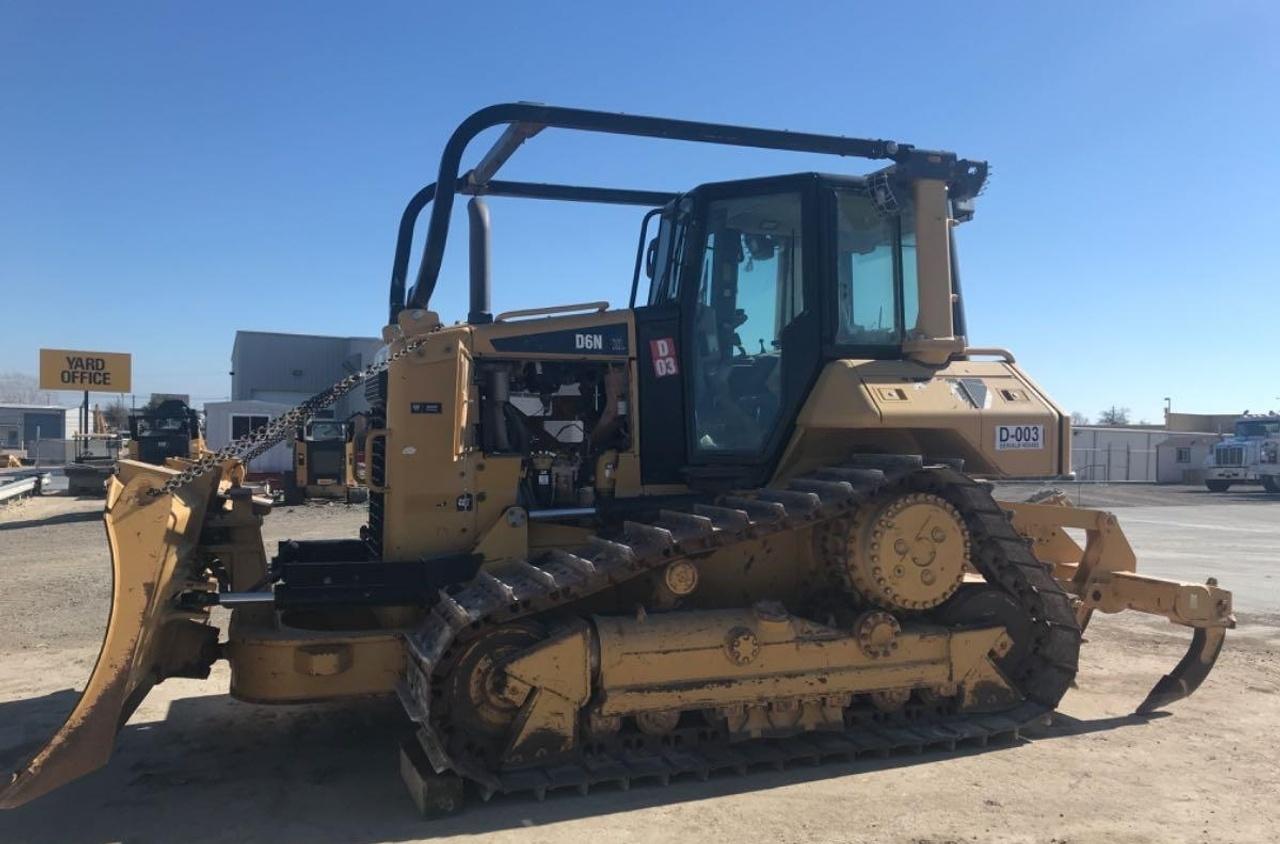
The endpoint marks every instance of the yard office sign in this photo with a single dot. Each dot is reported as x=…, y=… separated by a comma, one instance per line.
x=97, y=372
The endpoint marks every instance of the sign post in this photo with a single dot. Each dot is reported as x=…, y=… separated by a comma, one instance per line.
x=96, y=372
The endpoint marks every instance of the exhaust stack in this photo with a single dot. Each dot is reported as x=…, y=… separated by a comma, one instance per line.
x=481, y=312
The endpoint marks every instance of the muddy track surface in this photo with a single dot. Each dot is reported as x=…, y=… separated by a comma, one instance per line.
x=534, y=588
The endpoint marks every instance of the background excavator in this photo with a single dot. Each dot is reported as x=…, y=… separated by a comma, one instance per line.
x=744, y=520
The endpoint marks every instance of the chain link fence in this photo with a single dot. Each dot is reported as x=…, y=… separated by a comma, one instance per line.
x=1115, y=462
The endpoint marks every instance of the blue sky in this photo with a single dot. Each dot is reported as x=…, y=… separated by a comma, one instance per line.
x=169, y=174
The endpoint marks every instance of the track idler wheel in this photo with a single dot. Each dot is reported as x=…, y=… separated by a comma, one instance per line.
x=481, y=702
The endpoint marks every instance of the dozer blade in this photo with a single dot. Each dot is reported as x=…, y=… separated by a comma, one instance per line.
x=1189, y=673
x=148, y=637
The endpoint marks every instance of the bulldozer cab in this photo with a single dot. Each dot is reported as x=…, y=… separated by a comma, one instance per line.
x=168, y=429
x=755, y=284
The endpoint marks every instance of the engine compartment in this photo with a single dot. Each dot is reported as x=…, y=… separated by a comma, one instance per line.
x=568, y=419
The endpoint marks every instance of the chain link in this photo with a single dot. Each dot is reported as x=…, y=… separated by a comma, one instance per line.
x=255, y=443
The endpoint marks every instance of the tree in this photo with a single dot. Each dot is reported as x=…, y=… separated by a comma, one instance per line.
x=116, y=415
x=1078, y=418
x=1114, y=416
x=20, y=388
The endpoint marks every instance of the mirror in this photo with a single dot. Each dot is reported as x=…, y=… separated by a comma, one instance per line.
x=650, y=258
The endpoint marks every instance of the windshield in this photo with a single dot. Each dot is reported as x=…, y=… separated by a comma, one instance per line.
x=162, y=425
x=1258, y=428
x=325, y=431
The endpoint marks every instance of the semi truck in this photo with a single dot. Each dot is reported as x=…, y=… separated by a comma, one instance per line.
x=1239, y=458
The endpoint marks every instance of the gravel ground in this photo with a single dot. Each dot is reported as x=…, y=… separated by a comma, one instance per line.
x=192, y=764
x=1111, y=496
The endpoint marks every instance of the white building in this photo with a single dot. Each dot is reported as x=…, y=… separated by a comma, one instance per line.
x=1139, y=453
x=1180, y=458
x=225, y=421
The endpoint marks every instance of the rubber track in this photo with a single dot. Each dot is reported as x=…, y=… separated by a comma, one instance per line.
x=529, y=588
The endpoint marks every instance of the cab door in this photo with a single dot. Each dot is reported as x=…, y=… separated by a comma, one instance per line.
x=660, y=371
x=751, y=325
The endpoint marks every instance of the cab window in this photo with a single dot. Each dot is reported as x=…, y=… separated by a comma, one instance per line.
x=877, y=292
x=666, y=254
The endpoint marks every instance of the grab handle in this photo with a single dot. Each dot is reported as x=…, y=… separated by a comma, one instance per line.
x=369, y=436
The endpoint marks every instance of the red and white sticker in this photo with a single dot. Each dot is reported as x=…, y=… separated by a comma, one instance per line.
x=663, y=353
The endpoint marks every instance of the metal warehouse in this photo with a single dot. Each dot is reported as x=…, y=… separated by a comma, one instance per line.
x=285, y=369
x=22, y=425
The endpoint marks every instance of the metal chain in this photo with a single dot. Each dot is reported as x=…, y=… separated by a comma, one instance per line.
x=255, y=443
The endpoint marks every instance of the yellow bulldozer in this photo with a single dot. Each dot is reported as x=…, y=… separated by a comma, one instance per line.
x=747, y=519
x=164, y=429
x=324, y=464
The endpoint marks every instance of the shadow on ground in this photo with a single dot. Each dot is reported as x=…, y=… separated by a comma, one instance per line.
x=330, y=773
x=59, y=519
x=26, y=724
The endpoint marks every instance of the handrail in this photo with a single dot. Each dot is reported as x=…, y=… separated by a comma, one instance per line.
x=640, y=254
x=992, y=351
x=598, y=307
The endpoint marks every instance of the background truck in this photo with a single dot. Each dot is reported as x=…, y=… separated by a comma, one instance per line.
x=1238, y=458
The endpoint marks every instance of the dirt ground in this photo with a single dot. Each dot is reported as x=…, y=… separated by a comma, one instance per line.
x=194, y=765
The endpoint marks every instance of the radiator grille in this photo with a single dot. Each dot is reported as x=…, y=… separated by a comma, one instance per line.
x=1228, y=455
x=375, y=390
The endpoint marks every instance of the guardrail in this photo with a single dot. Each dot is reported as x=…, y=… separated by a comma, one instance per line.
x=29, y=485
